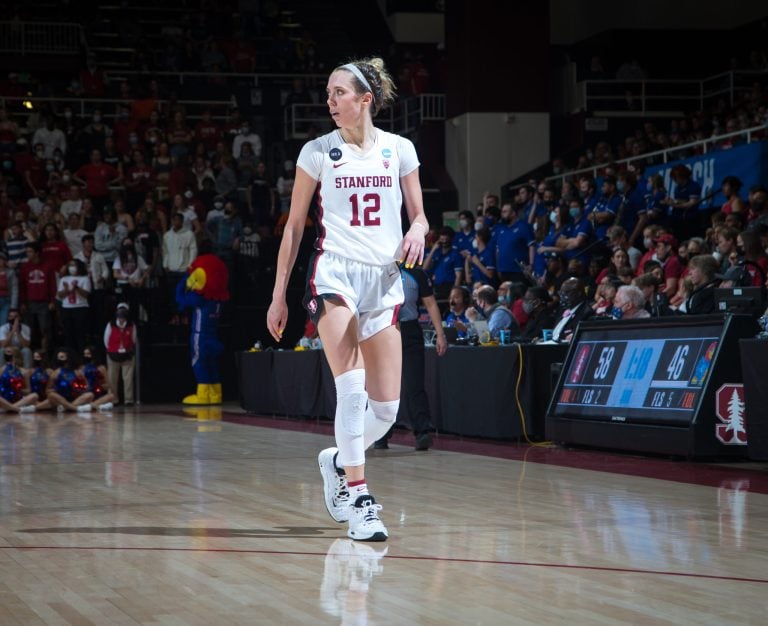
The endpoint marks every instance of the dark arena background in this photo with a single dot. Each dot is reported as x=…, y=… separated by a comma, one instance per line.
x=597, y=456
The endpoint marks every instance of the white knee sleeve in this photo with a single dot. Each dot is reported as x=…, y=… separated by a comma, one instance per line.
x=349, y=425
x=379, y=418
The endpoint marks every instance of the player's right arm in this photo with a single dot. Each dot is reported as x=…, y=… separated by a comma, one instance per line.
x=303, y=190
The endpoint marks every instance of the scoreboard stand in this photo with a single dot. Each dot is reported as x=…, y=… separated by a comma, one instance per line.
x=663, y=385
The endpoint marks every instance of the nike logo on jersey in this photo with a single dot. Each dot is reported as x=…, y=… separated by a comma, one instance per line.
x=335, y=165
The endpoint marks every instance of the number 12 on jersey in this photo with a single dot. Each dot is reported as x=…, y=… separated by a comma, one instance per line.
x=372, y=206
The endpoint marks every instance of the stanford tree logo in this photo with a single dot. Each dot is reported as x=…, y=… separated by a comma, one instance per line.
x=729, y=401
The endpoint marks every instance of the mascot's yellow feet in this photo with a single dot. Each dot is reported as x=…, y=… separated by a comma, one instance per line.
x=214, y=393
x=203, y=396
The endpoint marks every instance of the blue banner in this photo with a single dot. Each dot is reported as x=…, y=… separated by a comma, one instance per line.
x=748, y=162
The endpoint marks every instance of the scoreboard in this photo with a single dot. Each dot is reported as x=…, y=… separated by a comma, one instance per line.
x=627, y=384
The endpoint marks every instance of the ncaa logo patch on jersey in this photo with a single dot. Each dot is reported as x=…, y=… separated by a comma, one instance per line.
x=386, y=153
x=335, y=154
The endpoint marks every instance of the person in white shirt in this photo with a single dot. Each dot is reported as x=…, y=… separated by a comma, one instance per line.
x=99, y=275
x=73, y=234
x=108, y=235
x=73, y=291
x=246, y=135
x=14, y=334
x=179, y=250
x=51, y=137
x=73, y=204
x=354, y=288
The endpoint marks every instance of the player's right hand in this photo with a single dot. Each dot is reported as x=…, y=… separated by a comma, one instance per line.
x=277, y=317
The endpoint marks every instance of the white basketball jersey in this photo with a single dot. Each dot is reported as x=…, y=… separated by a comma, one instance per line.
x=359, y=196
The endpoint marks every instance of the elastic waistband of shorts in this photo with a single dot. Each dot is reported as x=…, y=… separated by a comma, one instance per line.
x=355, y=261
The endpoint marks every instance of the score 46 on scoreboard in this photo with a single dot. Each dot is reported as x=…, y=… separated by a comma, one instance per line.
x=640, y=380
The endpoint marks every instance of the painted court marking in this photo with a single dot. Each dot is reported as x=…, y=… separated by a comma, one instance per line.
x=593, y=568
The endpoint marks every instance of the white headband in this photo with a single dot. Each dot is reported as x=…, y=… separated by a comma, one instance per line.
x=358, y=74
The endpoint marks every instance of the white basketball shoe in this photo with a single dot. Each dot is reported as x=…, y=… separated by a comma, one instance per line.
x=364, y=522
x=335, y=489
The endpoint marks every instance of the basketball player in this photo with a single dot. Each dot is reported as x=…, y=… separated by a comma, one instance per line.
x=361, y=176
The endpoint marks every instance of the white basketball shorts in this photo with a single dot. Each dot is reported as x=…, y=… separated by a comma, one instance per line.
x=373, y=293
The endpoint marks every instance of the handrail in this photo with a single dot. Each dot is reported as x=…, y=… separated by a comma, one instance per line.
x=665, y=153
x=91, y=103
x=592, y=94
x=257, y=77
x=402, y=118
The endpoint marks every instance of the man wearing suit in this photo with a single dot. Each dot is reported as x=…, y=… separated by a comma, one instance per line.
x=573, y=309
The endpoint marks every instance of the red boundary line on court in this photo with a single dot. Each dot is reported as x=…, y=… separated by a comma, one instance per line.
x=631, y=464
x=595, y=568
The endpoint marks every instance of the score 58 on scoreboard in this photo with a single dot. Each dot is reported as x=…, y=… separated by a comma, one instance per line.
x=647, y=375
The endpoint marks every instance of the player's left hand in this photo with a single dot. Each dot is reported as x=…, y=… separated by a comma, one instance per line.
x=413, y=246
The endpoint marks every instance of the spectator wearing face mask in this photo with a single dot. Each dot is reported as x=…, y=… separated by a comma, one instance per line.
x=537, y=305
x=444, y=264
x=463, y=238
x=73, y=291
x=510, y=294
x=120, y=341
x=515, y=246
x=37, y=376
x=63, y=392
x=246, y=135
x=629, y=304
x=217, y=210
x=577, y=234
x=97, y=382
x=574, y=308
x=480, y=260
x=498, y=316
x=604, y=213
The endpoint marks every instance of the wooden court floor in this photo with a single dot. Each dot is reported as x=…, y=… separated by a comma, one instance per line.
x=150, y=516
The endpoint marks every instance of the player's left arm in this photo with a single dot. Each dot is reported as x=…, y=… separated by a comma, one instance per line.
x=413, y=242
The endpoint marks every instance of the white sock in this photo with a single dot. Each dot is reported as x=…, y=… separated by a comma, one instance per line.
x=358, y=488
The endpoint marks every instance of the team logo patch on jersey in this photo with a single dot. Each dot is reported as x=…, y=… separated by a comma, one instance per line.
x=386, y=153
x=386, y=164
x=312, y=306
x=335, y=154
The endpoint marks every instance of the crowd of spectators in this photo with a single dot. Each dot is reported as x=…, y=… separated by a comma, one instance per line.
x=628, y=249
x=108, y=209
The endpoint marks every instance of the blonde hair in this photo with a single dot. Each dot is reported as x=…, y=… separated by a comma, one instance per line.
x=382, y=88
